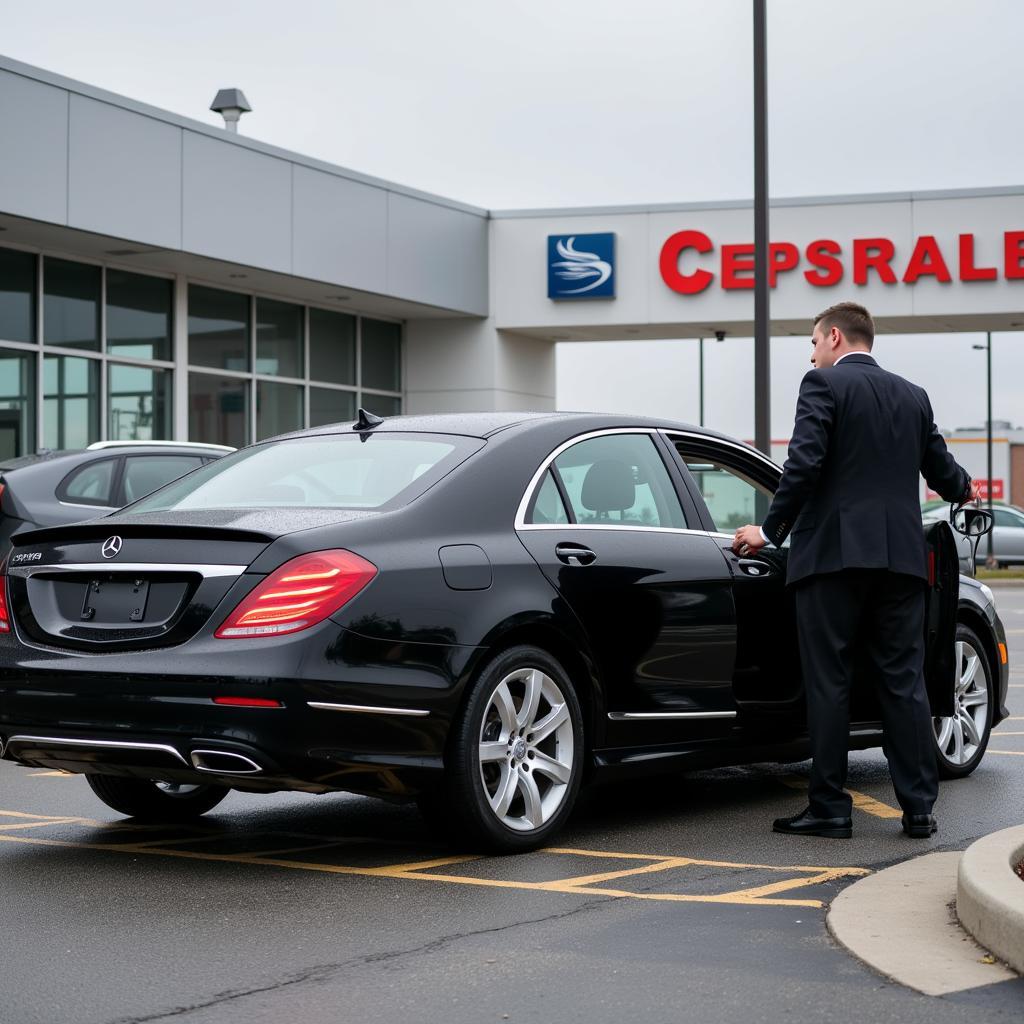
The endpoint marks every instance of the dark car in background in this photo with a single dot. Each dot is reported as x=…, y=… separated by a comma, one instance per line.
x=478, y=612
x=54, y=487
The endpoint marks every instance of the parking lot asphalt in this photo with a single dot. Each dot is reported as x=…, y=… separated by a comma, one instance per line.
x=668, y=900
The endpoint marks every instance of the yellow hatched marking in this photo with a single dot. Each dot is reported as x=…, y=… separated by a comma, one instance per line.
x=36, y=824
x=51, y=775
x=861, y=801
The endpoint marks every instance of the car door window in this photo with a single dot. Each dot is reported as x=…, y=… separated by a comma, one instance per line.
x=90, y=484
x=619, y=480
x=547, y=506
x=143, y=474
x=733, y=499
x=1006, y=517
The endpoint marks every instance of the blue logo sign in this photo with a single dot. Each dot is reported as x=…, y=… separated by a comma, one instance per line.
x=581, y=266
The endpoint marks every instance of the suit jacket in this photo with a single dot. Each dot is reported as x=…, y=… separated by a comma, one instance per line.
x=850, y=486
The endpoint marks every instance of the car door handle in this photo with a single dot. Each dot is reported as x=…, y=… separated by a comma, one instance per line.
x=752, y=567
x=574, y=554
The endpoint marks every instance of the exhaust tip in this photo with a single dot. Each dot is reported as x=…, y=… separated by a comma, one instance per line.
x=223, y=762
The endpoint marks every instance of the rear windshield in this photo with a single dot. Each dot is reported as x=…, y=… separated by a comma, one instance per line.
x=326, y=471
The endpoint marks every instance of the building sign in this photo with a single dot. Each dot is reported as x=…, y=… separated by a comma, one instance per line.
x=998, y=491
x=581, y=266
x=689, y=262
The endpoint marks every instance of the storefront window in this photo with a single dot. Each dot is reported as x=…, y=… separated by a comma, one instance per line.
x=17, y=296
x=279, y=341
x=329, y=406
x=17, y=404
x=332, y=347
x=218, y=409
x=218, y=329
x=382, y=355
x=381, y=405
x=71, y=304
x=71, y=408
x=138, y=403
x=278, y=408
x=138, y=315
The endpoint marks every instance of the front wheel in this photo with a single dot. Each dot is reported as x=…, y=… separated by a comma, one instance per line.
x=155, y=801
x=515, y=755
x=961, y=740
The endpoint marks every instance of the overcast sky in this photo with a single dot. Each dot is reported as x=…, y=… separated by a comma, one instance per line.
x=538, y=104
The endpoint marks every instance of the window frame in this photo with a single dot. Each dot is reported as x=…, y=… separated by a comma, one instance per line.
x=116, y=475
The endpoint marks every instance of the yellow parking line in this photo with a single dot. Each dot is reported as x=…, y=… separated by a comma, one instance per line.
x=861, y=801
x=1011, y=753
x=1001, y=734
x=57, y=774
x=37, y=824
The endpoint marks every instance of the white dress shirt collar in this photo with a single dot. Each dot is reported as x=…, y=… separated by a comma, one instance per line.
x=855, y=352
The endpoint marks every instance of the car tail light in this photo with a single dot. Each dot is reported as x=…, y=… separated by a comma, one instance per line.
x=298, y=594
x=5, y=616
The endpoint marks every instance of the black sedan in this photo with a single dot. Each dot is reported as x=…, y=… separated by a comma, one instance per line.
x=478, y=612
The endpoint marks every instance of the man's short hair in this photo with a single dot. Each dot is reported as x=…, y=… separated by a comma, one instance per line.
x=852, y=319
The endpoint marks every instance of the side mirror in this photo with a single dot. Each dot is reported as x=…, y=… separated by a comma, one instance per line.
x=972, y=522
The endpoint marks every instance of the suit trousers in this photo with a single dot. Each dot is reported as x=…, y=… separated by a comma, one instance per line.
x=871, y=618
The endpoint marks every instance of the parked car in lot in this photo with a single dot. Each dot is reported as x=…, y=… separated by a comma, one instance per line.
x=1007, y=536
x=54, y=487
x=479, y=612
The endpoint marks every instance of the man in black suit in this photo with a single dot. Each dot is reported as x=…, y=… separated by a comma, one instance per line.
x=849, y=494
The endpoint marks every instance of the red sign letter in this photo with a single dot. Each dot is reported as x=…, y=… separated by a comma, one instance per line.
x=1014, y=248
x=872, y=253
x=926, y=261
x=968, y=271
x=736, y=260
x=687, y=284
x=822, y=254
x=782, y=256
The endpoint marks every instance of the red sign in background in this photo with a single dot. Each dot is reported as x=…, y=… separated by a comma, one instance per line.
x=998, y=491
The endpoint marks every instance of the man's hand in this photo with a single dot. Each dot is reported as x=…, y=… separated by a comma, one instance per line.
x=975, y=491
x=747, y=540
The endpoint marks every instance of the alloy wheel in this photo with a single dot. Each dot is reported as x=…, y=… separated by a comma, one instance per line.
x=960, y=736
x=526, y=749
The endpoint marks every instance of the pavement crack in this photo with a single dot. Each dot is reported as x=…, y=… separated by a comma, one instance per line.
x=322, y=972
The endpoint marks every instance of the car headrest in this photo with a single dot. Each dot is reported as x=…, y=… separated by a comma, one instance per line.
x=609, y=486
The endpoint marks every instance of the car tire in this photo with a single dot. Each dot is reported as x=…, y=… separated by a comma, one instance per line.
x=961, y=740
x=515, y=756
x=155, y=801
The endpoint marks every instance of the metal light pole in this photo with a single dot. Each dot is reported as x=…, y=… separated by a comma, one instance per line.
x=762, y=321
x=990, y=558
x=701, y=420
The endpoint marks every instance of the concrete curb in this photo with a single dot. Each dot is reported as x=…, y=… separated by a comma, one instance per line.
x=990, y=897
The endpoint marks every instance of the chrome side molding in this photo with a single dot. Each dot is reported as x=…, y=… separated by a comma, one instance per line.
x=366, y=709
x=656, y=716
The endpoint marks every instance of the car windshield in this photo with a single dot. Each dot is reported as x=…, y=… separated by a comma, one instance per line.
x=324, y=471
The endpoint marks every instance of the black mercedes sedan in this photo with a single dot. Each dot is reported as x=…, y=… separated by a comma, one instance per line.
x=479, y=612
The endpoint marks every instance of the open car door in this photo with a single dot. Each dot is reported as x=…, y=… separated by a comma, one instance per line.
x=940, y=667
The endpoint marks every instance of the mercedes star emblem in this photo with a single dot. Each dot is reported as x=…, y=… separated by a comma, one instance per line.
x=111, y=546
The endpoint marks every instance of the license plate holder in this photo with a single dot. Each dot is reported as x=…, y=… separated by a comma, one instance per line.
x=115, y=601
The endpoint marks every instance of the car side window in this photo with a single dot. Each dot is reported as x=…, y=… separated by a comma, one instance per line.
x=90, y=484
x=1006, y=517
x=732, y=498
x=143, y=474
x=547, y=506
x=619, y=480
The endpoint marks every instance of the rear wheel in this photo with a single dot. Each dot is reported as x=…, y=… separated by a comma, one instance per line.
x=155, y=801
x=515, y=755
x=961, y=740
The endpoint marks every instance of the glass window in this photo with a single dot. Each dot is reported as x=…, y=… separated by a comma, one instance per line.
x=143, y=474
x=90, y=485
x=329, y=406
x=17, y=404
x=548, y=506
x=733, y=500
x=139, y=315
x=382, y=405
x=332, y=347
x=218, y=409
x=619, y=480
x=17, y=296
x=218, y=328
x=1007, y=517
x=71, y=401
x=71, y=304
x=339, y=471
x=138, y=403
x=278, y=408
x=382, y=355
x=279, y=338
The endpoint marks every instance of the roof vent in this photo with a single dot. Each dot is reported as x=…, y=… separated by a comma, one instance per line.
x=231, y=104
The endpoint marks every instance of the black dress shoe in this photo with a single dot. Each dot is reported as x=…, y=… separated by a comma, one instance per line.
x=920, y=826
x=806, y=824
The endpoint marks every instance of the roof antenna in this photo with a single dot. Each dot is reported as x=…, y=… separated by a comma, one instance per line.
x=366, y=421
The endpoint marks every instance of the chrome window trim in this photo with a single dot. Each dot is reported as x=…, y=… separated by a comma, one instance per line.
x=206, y=571
x=82, y=504
x=668, y=432
x=524, y=504
x=110, y=744
x=657, y=716
x=366, y=709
